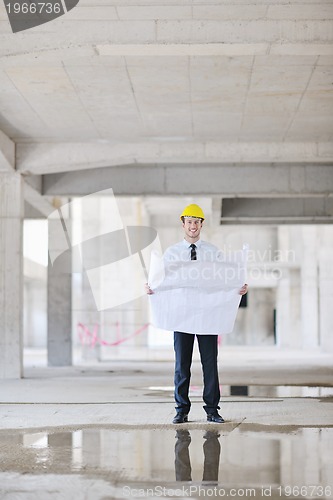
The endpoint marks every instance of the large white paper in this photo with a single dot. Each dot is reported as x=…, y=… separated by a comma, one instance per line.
x=195, y=296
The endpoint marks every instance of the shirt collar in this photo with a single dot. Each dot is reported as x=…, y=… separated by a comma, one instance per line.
x=187, y=244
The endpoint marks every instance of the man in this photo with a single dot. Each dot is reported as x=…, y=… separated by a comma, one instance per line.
x=192, y=248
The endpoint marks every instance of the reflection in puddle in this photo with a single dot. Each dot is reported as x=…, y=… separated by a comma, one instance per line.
x=211, y=452
x=137, y=457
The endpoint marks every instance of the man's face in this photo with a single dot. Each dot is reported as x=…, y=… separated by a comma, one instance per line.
x=192, y=227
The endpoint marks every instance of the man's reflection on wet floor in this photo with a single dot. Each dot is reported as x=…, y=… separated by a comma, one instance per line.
x=211, y=450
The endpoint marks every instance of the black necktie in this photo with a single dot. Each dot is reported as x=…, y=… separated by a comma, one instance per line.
x=193, y=252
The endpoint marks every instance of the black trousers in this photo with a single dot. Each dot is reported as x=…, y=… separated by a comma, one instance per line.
x=183, y=345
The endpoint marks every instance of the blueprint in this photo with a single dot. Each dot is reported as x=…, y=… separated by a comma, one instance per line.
x=195, y=296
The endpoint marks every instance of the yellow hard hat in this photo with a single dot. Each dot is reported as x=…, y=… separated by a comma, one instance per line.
x=193, y=211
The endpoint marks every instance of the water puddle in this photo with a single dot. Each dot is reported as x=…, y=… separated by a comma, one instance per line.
x=127, y=463
x=271, y=391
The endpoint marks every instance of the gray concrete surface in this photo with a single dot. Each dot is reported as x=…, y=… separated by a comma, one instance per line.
x=104, y=431
x=140, y=394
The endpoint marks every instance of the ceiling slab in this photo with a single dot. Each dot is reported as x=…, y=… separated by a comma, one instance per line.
x=164, y=84
x=182, y=98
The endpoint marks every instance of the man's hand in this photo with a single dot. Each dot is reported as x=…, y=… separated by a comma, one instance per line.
x=243, y=290
x=148, y=290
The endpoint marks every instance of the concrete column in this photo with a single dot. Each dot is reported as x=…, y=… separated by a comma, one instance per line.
x=309, y=288
x=59, y=299
x=326, y=289
x=87, y=216
x=11, y=275
x=283, y=323
x=284, y=337
x=140, y=314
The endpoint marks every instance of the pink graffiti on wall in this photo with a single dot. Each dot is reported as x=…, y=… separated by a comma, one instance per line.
x=88, y=338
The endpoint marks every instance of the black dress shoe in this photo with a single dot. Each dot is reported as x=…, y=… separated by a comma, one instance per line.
x=215, y=417
x=180, y=418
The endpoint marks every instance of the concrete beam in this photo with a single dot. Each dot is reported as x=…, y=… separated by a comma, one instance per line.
x=33, y=196
x=31, y=213
x=271, y=180
x=277, y=210
x=48, y=158
x=7, y=153
x=146, y=30
x=54, y=56
x=215, y=49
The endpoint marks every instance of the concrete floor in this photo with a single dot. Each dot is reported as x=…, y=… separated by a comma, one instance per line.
x=104, y=431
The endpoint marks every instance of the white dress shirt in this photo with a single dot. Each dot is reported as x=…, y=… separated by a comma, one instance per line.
x=182, y=251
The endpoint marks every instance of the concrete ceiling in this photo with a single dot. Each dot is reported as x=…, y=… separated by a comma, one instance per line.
x=157, y=83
